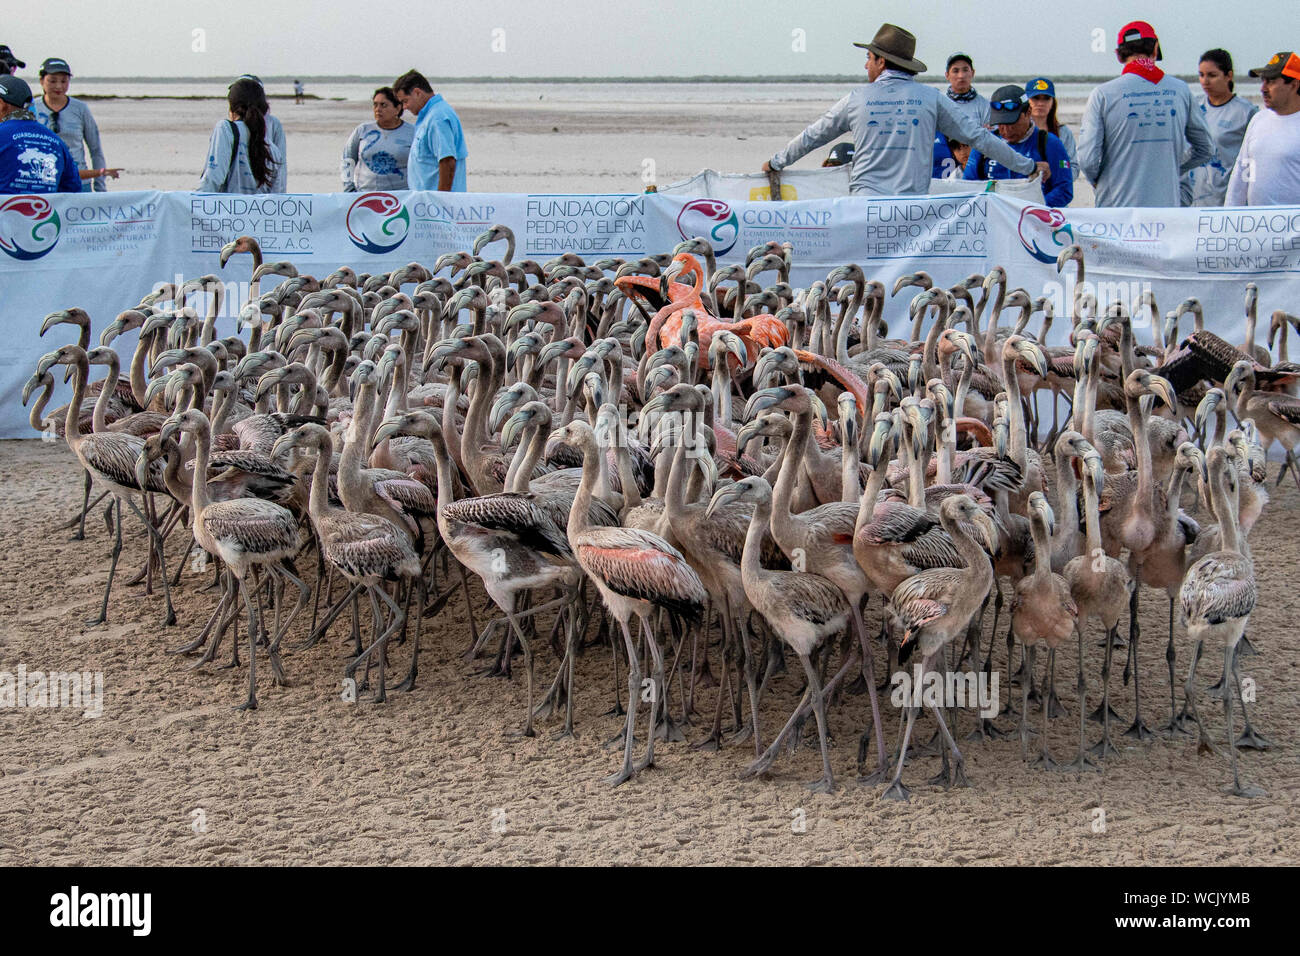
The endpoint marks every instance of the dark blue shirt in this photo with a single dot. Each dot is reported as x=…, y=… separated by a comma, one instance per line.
x=1058, y=190
x=944, y=162
x=34, y=160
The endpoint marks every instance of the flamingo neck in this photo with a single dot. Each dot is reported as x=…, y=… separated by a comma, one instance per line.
x=1137, y=418
x=579, y=519
x=72, y=423
x=1091, y=517
x=1225, y=509
x=1067, y=503
x=750, y=563
x=1019, y=448
x=199, y=498
x=100, y=420
x=786, y=478
x=139, y=383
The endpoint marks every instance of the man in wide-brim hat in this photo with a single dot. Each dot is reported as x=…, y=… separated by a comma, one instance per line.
x=893, y=119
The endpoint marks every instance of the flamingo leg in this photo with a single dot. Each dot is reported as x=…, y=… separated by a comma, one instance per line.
x=1139, y=730
x=868, y=670
x=896, y=790
x=528, y=667
x=657, y=699
x=233, y=605
x=156, y=541
x=1176, y=725
x=112, y=569
x=1237, y=789
x=254, y=626
x=1250, y=738
x=1105, y=746
x=1081, y=763
x=827, y=782
x=633, y=693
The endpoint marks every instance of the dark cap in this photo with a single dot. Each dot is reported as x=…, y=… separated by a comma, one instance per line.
x=841, y=154
x=7, y=55
x=14, y=90
x=55, y=64
x=1285, y=63
x=1138, y=30
x=1007, y=103
x=959, y=56
x=246, y=76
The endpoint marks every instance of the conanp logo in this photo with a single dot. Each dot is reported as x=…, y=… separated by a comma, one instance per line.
x=29, y=226
x=378, y=222
x=712, y=218
x=1044, y=232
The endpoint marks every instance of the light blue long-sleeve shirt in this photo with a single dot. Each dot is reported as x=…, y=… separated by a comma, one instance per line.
x=893, y=122
x=1135, y=138
x=76, y=126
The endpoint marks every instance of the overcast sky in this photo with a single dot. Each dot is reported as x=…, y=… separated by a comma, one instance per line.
x=611, y=38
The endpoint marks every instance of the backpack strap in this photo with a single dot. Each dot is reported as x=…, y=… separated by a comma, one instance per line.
x=234, y=155
x=982, y=167
x=1042, y=146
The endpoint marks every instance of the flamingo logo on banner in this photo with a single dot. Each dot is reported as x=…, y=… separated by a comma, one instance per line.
x=378, y=222
x=712, y=218
x=29, y=227
x=1049, y=225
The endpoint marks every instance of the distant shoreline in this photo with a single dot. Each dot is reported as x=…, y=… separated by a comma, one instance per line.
x=855, y=78
x=213, y=96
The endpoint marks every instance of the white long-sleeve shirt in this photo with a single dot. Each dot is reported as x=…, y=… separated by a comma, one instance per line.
x=1135, y=137
x=893, y=121
x=241, y=180
x=375, y=158
x=1267, y=171
x=1207, y=185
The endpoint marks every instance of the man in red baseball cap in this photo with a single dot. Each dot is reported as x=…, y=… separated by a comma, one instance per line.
x=1138, y=30
x=1138, y=127
x=1267, y=171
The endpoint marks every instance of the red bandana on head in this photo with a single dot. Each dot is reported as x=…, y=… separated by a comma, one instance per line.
x=1145, y=68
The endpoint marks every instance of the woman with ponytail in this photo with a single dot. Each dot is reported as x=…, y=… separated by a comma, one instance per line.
x=242, y=158
x=1227, y=115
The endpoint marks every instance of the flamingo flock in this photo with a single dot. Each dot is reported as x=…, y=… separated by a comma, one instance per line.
x=701, y=475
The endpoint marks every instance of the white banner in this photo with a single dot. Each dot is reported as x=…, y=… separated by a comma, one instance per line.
x=104, y=251
x=824, y=182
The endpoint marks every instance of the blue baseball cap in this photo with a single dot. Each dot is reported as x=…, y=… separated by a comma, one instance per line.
x=1041, y=86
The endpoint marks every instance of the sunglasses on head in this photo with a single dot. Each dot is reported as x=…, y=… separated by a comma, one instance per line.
x=1007, y=105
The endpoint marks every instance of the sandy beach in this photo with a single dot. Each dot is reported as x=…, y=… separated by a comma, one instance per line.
x=545, y=139
x=424, y=777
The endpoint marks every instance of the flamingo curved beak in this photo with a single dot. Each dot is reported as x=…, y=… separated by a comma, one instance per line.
x=724, y=495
